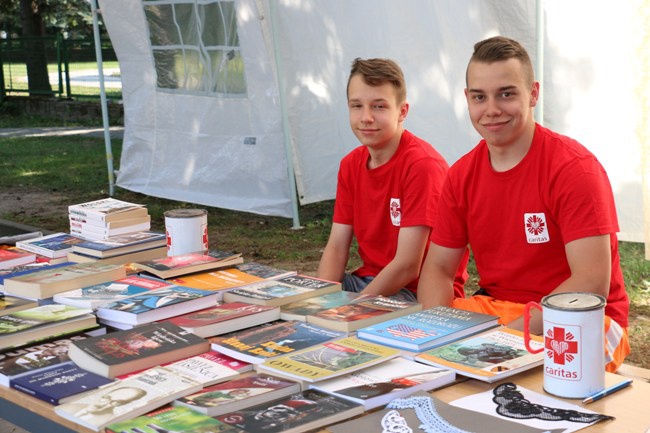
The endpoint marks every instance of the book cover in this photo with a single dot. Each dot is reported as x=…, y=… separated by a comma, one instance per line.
x=36, y=356
x=210, y=367
x=490, y=356
x=59, y=383
x=429, y=328
x=299, y=310
x=11, y=258
x=238, y=393
x=11, y=304
x=46, y=283
x=281, y=291
x=375, y=386
x=103, y=293
x=53, y=245
x=33, y=324
x=224, y=318
x=172, y=420
x=28, y=269
x=123, y=352
x=128, y=398
x=362, y=313
x=173, y=266
x=305, y=411
x=156, y=304
x=122, y=244
x=107, y=209
x=330, y=359
x=273, y=339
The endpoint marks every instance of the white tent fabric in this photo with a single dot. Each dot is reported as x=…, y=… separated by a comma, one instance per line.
x=297, y=55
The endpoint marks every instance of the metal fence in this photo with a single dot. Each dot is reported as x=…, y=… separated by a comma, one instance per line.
x=57, y=66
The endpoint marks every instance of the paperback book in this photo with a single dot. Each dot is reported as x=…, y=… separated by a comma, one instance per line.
x=81, y=222
x=174, y=266
x=305, y=411
x=46, y=283
x=157, y=304
x=226, y=318
x=107, y=210
x=12, y=304
x=59, y=383
x=376, y=386
x=362, y=313
x=128, y=398
x=27, y=269
x=97, y=233
x=172, y=420
x=109, y=291
x=11, y=258
x=238, y=393
x=282, y=291
x=327, y=360
x=260, y=343
x=118, y=245
x=429, y=328
x=54, y=245
x=490, y=356
x=46, y=321
x=121, y=259
x=299, y=310
x=121, y=352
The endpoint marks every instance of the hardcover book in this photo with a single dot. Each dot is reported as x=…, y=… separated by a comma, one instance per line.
x=128, y=398
x=172, y=420
x=107, y=210
x=490, y=356
x=427, y=329
x=11, y=258
x=59, y=383
x=38, y=323
x=299, y=310
x=238, y=393
x=305, y=411
x=282, y=291
x=117, y=245
x=174, y=266
x=327, y=360
x=362, y=313
x=157, y=304
x=46, y=283
x=376, y=386
x=123, y=352
x=226, y=318
x=11, y=304
x=270, y=340
x=54, y=245
x=103, y=293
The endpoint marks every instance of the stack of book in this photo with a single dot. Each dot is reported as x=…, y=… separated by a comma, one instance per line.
x=101, y=219
x=122, y=249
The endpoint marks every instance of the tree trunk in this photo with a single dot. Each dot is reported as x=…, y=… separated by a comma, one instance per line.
x=36, y=60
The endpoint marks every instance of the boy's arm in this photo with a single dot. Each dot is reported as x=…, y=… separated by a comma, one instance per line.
x=436, y=285
x=336, y=253
x=405, y=266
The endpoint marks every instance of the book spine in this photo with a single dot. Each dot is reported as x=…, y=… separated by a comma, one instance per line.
x=33, y=393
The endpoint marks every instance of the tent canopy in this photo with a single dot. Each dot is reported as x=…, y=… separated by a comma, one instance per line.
x=226, y=100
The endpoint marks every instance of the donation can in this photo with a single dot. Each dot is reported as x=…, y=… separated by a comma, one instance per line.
x=186, y=231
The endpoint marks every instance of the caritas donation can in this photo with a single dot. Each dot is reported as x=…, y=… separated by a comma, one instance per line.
x=187, y=231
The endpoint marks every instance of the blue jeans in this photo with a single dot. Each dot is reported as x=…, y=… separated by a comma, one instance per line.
x=354, y=283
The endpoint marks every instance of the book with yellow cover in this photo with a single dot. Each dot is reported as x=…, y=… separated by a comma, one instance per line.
x=329, y=359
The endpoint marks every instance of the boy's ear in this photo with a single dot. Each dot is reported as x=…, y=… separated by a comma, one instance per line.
x=403, y=111
x=534, y=94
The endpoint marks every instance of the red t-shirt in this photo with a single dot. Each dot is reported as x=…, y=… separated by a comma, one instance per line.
x=518, y=221
x=403, y=192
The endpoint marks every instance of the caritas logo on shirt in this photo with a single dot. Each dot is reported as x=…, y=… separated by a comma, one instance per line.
x=536, y=228
x=395, y=211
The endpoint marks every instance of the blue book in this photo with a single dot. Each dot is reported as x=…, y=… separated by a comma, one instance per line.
x=59, y=383
x=427, y=329
x=121, y=244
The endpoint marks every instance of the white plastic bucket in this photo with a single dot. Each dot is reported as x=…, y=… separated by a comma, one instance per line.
x=187, y=231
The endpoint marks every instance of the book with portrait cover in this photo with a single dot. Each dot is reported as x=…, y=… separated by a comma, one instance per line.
x=59, y=383
x=172, y=420
x=272, y=339
x=301, y=412
x=327, y=360
x=299, y=310
x=174, y=266
x=128, y=398
x=362, y=313
x=157, y=304
x=238, y=393
x=428, y=328
x=490, y=356
x=122, y=352
x=378, y=385
x=224, y=318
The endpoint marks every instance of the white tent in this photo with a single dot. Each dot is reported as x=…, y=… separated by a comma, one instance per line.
x=227, y=100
